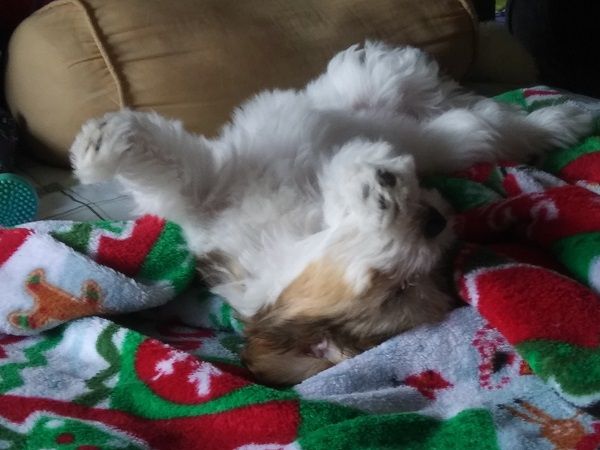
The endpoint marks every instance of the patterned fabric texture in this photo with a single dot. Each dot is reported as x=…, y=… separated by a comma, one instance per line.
x=517, y=367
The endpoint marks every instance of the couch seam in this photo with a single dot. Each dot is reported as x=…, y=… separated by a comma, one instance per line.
x=100, y=45
x=468, y=7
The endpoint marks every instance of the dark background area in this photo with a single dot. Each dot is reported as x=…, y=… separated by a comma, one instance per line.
x=563, y=37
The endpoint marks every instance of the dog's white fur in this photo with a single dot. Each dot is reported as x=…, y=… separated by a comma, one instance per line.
x=296, y=177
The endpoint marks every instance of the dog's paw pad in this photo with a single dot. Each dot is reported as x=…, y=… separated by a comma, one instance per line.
x=385, y=178
x=382, y=203
x=97, y=142
x=384, y=194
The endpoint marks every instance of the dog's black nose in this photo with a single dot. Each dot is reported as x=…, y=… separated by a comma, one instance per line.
x=434, y=223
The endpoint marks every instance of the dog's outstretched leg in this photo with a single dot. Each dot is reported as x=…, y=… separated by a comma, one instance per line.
x=167, y=170
x=378, y=78
x=488, y=131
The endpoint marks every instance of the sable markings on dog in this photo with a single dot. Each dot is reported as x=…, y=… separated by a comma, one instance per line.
x=307, y=207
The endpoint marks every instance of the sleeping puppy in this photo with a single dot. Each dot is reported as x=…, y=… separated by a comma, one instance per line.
x=306, y=212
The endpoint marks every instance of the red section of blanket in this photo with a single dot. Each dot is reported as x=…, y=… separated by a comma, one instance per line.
x=10, y=241
x=127, y=254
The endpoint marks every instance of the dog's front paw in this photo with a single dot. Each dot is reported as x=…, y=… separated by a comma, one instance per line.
x=99, y=147
x=386, y=191
x=565, y=124
x=368, y=186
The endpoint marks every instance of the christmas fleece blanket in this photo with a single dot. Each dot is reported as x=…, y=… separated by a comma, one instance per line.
x=107, y=341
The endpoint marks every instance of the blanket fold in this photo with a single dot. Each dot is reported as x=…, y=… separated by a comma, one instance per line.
x=52, y=272
x=517, y=367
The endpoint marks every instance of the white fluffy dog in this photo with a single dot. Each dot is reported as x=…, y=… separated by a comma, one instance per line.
x=306, y=212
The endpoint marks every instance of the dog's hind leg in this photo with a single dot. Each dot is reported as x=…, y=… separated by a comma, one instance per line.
x=379, y=79
x=519, y=135
x=489, y=132
x=168, y=171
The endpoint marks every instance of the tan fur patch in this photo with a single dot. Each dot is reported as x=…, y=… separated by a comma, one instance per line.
x=320, y=304
x=320, y=291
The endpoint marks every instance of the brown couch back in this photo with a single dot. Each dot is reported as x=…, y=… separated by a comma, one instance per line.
x=197, y=59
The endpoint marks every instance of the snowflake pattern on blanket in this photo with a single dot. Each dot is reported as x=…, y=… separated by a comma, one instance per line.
x=518, y=368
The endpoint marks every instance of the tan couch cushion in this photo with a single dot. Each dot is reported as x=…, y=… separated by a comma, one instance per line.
x=197, y=59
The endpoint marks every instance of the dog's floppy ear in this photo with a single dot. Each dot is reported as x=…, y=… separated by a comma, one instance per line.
x=281, y=338
x=299, y=335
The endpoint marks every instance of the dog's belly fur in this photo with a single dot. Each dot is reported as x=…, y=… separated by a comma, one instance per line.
x=306, y=212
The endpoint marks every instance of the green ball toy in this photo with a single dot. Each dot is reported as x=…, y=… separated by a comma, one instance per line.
x=18, y=200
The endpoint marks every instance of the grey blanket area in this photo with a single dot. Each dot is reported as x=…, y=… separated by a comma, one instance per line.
x=442, y=370
x=434, y=369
